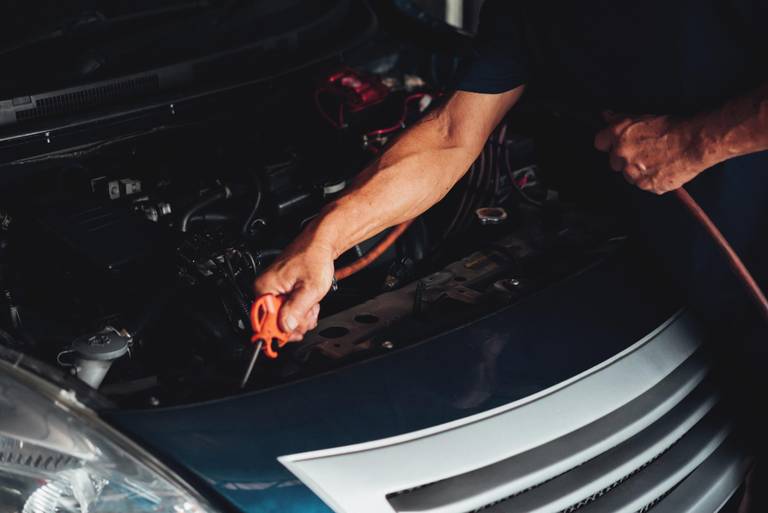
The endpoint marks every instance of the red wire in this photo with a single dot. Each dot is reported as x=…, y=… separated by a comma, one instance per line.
x=401, y=123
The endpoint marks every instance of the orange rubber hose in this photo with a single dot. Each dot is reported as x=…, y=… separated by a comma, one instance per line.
x=374, y=253
x=735, y=262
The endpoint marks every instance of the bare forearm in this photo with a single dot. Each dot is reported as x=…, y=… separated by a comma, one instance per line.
x=662, y=153
x=739, y=128
x=413, y=174
x=405, y=182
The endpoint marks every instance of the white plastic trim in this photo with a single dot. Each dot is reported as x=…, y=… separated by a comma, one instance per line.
x=357, y=478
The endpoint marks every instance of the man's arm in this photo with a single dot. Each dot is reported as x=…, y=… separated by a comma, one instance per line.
x=413, y=174
x=662, y=153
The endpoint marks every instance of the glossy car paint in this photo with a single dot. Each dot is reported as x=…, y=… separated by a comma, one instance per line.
x=232, y=444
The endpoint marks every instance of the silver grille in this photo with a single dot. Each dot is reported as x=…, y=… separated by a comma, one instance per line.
x=621, y=438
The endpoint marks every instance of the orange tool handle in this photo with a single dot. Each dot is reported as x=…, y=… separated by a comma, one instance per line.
x=266, y=325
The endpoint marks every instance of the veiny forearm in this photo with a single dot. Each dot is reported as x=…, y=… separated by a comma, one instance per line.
x=413, y=174
x=739, y=128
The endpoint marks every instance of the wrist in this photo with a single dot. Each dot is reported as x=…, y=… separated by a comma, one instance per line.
x=709, y=139
x=731, y=131
x=322, y=235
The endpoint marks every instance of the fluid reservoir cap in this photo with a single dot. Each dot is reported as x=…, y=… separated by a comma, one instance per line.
x=106, y=345
x=491, y=215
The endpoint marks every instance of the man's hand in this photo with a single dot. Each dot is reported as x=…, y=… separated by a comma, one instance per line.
x=304, y=273
x=656, y=153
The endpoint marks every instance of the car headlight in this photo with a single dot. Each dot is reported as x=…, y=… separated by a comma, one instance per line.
x=57, y=456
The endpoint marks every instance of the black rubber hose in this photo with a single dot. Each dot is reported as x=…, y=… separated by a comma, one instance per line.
x=223, y=193
x=254, y=211
x=212, y=217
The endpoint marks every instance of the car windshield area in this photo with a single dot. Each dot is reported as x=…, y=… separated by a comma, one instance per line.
x=46, y=45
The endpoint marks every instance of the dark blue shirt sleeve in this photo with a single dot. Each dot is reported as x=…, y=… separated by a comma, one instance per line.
x=499, y=60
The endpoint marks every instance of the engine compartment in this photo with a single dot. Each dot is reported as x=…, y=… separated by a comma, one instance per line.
x=131, y=264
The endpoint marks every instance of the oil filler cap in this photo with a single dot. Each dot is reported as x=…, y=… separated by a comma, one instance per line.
x=491, y=215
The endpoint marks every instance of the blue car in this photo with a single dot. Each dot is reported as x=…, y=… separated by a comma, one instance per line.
x=517, y=349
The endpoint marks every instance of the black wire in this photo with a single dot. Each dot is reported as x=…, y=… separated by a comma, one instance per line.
x=464, y=196
x=200, y=205
x=486, y=163
x=231, y=278
x=254, y=210
x=482, y=183
x=479, y=176
x=268, y=253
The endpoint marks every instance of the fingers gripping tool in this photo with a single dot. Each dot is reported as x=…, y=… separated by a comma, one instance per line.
x=267, y=334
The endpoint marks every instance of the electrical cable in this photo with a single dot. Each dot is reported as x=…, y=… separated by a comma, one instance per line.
x=473, y=190
x=736, y=264
x=246, y=231
x=484, y=192
x=464, y=197
x=403, y=118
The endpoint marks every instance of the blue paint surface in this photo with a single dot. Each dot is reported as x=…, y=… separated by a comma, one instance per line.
x=232, y=444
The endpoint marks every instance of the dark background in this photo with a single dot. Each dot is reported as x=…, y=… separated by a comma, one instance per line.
x=471, y=11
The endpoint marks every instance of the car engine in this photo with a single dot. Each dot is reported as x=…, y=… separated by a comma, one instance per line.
x=130, y=264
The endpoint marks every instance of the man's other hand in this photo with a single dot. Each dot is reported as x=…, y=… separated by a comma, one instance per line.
x=303, y=273
x=656, y=153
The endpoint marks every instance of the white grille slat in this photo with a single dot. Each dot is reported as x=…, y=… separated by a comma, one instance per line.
x=358, y=478
x=525, y=471
x=599, y=479
x=663, y=475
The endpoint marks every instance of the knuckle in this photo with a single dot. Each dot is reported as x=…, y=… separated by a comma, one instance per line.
x=633, y=172
x=617, y=163
x=619, y=129
x=622, y=150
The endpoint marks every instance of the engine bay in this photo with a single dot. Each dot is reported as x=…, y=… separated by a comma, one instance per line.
x=130, y=264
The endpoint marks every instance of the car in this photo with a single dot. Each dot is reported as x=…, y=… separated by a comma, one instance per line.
x=515, y=349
